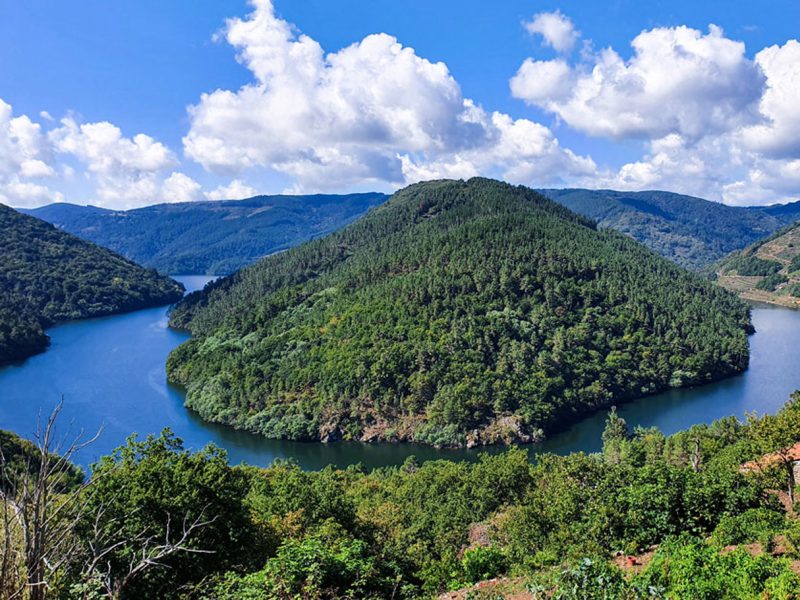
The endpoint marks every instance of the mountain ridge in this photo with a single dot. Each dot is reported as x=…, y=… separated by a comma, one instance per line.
x=690, y=231
x=211, y=236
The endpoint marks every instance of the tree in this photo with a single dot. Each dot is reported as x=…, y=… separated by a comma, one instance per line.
x=614, y=435
x=776, y=436
x=159, y=517
x=42, y=503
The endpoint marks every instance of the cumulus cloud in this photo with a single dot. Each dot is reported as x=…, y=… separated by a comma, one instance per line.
x=557, y=31
x=778, y=135
x=24, y=159
x=714, y=122
x=117, y=171
x=179, y=187
x=235, y=190
x=126, y=170
x=373, y=112
x=678, y=80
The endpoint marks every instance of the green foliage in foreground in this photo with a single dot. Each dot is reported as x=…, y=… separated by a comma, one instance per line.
x=47, y=276
x=414, y=531
x=456, y=312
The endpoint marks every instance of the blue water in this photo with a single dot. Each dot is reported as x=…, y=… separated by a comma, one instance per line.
x=110, y=373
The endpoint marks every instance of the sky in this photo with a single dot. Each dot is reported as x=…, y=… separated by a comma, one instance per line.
x=136, y=102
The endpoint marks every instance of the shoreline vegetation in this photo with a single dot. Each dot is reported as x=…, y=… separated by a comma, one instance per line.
x=395, y=329
x=48, y=277
x=709, y=508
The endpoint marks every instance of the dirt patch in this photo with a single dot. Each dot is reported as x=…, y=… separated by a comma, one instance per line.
x=509, y=589
x=634, y=563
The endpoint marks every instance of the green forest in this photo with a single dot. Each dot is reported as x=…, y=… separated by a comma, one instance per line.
x=48, y=276
x=212, y=237
x=649, y=517
x=457, y=313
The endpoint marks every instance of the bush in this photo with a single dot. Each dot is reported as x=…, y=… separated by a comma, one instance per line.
x=754, y=525
x=770, y=282
x=751, y=266
x=687, y=568
x=483, y=562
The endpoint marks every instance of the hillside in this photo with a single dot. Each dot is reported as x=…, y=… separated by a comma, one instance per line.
x=768, y=271
x=689, y=231
x=214, y=237
x=456, y=313
x=47, y=276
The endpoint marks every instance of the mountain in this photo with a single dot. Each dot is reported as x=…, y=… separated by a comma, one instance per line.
x=219, y=237
x=214, y=237
x=456, y=313
x=689, y=231
x=47, y=276
x=767, y=271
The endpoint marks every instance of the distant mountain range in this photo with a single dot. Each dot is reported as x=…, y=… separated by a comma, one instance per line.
x=689, y=231
x=48, y=275
x=213, y=237
x=220, y=237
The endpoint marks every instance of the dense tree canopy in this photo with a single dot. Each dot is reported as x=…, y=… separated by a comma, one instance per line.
x=458, y=312
x=47, y=276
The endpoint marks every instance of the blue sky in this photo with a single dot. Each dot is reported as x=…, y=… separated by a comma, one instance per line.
x=695, y=110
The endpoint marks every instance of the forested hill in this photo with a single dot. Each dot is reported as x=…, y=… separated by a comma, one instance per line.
x=690, y=231
x=213, y=237
x=457, y=312
x=767, y=271
x=47, y=275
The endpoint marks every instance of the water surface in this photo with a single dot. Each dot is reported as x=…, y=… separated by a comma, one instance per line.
x=110, y=372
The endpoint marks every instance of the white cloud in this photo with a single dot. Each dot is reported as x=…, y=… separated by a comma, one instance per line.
x=179, y=187
x=779, y=134
x=113, y=170
x=235, y=190
x=24, y=156
x=543, y=81
x=127, y=172
x=27, y=194
x=372, y=113
x=557, y=30
x=714, y=123
x=678, y=80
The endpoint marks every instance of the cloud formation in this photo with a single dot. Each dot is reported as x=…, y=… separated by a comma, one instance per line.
x=713, y=121
x=24, y=161
x=235, y=190
x=557, y=30
x=372, y=113
x=36, y=160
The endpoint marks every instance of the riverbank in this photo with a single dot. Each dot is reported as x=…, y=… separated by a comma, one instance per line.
x=111, y=372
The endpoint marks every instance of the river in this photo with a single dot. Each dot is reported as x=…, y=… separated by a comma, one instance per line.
x=110, y=373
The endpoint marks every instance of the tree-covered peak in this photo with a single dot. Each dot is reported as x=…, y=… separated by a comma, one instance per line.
x=457, y=312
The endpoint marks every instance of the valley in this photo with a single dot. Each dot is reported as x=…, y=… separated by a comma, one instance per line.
x=48, y=276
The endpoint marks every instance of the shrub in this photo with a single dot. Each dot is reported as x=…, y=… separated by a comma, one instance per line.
x=483, y=562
